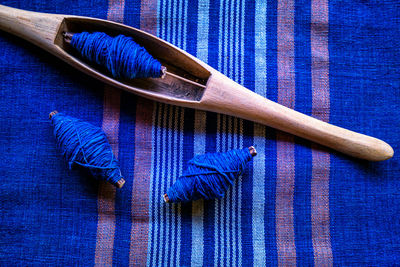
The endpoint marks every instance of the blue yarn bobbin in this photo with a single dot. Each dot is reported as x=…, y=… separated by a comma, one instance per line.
x=120, y=55
x=209, y=176
x=83, y=144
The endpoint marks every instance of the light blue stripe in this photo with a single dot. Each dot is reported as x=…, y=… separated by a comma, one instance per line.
x=232, y=44
x=164, y=243
x=181, y=16
x=171, y=209
x=222, y=203
x=237, y=188
x=165, y=166
x=174, y=216
x=161, y=5
x=235, y=201
x=155, y=209
x=157, y=185
x=221, y=14
x=176, y=9
x=242, y=69
x=200, y=132
x=198, y=206
x=171, y=18
x=200, y=118
x=260, y=48
x=202, y=30
x=179, y=172
x=239, y=201
x=227, y=200
x=170, y=215
x=153, y=174
x=259, y=137
x=179, y=124
x=184, y=29
x=237, y=44
x=227, y=42
x=216, y=211
x=153, y=216
x=230, y=199
x=238, y=192
x=200, y=138
x=220, y=134
x=227, y=221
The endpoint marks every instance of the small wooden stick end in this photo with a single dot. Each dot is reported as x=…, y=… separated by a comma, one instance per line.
x=164, y=71
x=253, y=151
x=52, y=113
x=120, y=183
x=166, y=198
x=67, y=36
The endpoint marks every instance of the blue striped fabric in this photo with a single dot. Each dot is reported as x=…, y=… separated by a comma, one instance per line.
x=297, y=203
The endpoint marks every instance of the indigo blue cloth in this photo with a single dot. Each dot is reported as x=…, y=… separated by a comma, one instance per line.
x=297, y=203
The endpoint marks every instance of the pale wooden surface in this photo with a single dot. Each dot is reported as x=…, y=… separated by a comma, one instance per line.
x=215, y=91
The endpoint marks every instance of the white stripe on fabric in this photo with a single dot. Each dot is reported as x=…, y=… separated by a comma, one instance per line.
x=232, y=45
x=180, y=166
x=153, y=173
x=222, y=201
x=216, y=211
x=202, y=30
x=198, y=206
x=242, y=19
x=154, y=216
x=161, y=20
x=172, y=209
x=240, y=181
x=259, y=137
x=240, y=72
x=181, y=41
x=200, y=137
x=221, y=10
x=235, y=204
x=227, y=222
x=165, y=228
x=157, y=193
x=162, y=244
x=227, y=200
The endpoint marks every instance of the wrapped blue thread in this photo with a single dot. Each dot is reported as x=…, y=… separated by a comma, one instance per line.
x=83, y=144
x=122, y=56
x=210, y=175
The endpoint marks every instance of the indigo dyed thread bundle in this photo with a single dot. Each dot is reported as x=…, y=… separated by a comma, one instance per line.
x=83, y=144
x=122, y=56
x=209, y=176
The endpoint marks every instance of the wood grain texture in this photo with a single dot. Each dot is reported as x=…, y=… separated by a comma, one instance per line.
x=220, y=94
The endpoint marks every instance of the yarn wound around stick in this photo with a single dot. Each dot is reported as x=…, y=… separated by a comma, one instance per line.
x=85, y=145
x=210, y=175
x=120, y=55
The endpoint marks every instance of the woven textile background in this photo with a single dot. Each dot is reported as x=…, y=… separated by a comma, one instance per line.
x=298, y=203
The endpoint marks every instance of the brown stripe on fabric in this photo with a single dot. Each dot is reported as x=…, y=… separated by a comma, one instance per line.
x=148, y=16
x=141, y=183
x=285, y=143
x=143, y=150
x=320, y=218
x=116, y=9
x=106, y=194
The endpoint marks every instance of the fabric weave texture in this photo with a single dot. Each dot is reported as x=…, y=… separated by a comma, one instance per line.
x=297, y=203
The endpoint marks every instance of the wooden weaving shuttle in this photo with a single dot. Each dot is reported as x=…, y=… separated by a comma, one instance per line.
x=188, y=83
